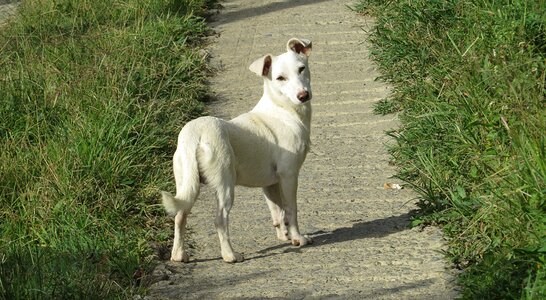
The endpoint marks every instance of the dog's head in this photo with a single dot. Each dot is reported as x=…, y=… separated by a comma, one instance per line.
x=287, y=75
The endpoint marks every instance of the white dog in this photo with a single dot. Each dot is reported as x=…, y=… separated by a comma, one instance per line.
x=263, y=148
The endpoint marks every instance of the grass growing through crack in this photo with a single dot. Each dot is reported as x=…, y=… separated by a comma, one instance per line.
x=469, y=79
x=91, y=95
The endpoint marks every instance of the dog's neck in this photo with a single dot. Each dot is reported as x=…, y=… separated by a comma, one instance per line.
x=274, y=101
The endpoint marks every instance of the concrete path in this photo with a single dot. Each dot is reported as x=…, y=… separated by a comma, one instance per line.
x=363, y=247
x=7, y=8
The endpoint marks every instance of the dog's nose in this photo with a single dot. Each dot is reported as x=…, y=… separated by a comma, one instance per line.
x=303, y=96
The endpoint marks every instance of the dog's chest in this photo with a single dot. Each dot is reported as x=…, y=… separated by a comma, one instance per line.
x=294, y=139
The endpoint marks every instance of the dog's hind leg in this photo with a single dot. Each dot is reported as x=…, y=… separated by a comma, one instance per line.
x=225, y=194
x=184, y=203
x=289, y=187
x=178, y=253
x=274, y=202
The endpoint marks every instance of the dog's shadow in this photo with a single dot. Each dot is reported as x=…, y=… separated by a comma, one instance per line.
x=360, y=230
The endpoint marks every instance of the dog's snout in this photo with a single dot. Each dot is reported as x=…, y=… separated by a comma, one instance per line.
x=303, y=96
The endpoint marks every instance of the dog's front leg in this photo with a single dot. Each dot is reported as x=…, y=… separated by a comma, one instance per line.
x=289, y=188
x=274, y=202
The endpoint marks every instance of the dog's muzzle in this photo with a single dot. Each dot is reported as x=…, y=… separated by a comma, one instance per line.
x=303, y=96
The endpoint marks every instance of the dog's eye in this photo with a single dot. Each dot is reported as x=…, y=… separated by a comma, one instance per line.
x=300, y=70
x=281, y=78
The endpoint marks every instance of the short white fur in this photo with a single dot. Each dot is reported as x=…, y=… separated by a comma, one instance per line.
x=265, y=148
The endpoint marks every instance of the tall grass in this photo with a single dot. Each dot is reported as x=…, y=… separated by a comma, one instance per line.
x=91, y=95
x=469, y=80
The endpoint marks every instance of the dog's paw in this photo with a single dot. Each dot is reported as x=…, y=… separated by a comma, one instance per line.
x=233, y=258
x=282, y=234
x=302, y=241
x=180, y=256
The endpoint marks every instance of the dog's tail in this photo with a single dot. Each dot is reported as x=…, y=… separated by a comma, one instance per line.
x=186, y=173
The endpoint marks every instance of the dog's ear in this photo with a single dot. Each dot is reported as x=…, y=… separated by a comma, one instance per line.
x=262, y=66
x=299, y=46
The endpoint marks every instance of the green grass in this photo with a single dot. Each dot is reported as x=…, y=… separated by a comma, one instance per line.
x=92, y=94
x=469, y=80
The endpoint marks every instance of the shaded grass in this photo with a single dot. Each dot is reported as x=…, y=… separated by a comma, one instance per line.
x=91, y=95
x=469, y=79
